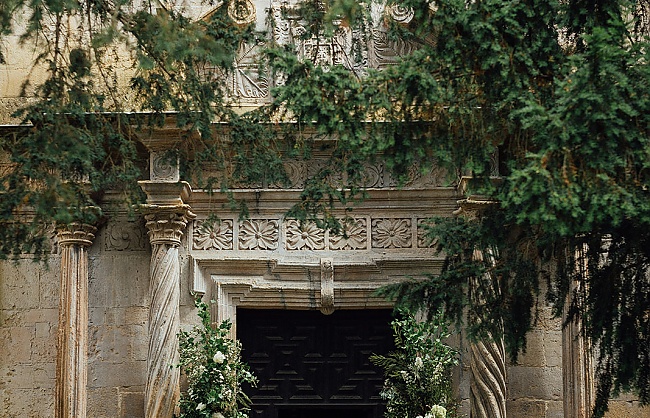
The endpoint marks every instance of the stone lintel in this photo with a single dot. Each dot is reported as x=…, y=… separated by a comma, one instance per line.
x=165, y=137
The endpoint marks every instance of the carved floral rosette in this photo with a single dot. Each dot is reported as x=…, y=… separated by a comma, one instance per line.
x=354, y=236
x=391, y=233
x=258, y=234
x=304, y=236
x=213, y=235
x=125, y=235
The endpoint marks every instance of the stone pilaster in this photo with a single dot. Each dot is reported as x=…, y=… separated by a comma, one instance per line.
x=72, y=335
x=577, y=369
x=165, y=224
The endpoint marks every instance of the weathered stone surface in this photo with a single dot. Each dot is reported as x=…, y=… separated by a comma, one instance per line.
x=131, y=403
x=621, y=409
x=522, y=408
x=535, y=382
x=98, y=407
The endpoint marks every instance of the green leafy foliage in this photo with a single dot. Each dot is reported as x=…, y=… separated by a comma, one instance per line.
x=559, y=90
x=212, y=364
x=418, y=373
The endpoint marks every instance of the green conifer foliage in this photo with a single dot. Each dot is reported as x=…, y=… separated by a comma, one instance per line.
x=560, y=90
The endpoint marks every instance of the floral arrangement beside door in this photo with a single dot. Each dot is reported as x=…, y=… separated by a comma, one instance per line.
x=418, y=374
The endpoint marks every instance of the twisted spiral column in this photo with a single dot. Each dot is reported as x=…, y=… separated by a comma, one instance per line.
x=487, y=366
x=487, y=380
x=165, y=225
x=72, y=335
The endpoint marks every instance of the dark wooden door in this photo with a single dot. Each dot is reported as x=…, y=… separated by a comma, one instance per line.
x=313, y=365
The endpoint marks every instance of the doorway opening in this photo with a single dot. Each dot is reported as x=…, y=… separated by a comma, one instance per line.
x=311, y=365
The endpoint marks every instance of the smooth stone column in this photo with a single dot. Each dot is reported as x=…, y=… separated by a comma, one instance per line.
x=72, y=335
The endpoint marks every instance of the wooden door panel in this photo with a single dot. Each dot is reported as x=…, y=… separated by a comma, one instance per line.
x=309, y=363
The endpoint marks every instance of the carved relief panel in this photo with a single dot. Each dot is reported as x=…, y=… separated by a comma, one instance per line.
x=262, y=234
x=357, y=49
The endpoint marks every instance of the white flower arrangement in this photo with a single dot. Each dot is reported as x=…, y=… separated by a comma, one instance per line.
x=418, y=372
x=212, y=364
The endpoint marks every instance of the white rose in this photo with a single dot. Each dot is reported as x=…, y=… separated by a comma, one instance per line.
x=418, y=363
x=219, y=357
x=201, y=406
x=218, y=415
x=438, y=411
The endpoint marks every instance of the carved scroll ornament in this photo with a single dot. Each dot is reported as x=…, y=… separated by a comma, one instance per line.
x=327, y=285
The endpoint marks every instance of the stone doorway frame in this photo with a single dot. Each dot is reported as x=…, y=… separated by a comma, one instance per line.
x=320, y=284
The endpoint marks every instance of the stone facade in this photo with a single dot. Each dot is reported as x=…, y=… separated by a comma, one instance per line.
x=92, y=332
x=120, y=301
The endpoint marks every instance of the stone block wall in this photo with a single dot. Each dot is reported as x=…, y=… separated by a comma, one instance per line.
x=28, y=326
x=117, y=354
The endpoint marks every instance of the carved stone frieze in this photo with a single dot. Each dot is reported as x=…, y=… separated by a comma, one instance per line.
x=424, y=241
x=373, y=176
x=305, y=236
x=247, y=82
x=264, y=234
x=356, y=49
x=213, y=235
x=259, y=234
x=392, y=233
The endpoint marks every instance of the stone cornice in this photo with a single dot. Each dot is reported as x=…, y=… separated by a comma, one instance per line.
x=442, y=200
x=160, y=193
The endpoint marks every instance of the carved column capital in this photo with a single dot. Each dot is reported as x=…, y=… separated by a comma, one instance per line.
x=76, y=233
x=167, y=223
